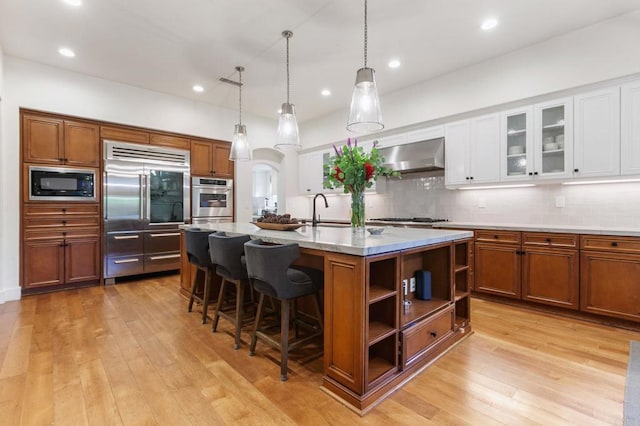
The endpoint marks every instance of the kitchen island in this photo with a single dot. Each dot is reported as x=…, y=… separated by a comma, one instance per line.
x=377, y=333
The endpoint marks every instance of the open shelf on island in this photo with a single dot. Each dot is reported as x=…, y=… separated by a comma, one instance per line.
x=378, y=331
x=378, y=293
x=383, y=359
x=460, y=294
x=422, y=308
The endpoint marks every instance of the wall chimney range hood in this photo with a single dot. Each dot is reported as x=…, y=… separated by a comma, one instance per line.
x=415, y=157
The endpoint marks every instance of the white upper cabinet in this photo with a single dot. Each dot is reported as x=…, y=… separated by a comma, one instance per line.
x=630, y=126
x=310, y=173
x=553, y=139
x=516, y=144
x=456, y=153
x=597, y=133
x=472, y=150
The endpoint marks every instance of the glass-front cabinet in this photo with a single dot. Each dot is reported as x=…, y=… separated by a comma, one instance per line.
x=553, y=139
x=516, y=143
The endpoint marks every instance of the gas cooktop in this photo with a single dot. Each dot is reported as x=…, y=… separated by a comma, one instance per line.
x=409, y=219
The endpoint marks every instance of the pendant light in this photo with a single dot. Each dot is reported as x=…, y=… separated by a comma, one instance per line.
x=288, y=136
x=240, y=150
x=365, y=115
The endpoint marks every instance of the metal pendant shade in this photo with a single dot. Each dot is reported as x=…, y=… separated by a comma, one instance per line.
x=240, y=149
x=288, y=136
x=365, y=114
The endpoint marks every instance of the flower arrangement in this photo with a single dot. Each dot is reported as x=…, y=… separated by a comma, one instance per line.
x=355, y=170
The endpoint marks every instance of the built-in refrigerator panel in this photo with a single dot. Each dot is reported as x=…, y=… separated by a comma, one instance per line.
x=124, y=196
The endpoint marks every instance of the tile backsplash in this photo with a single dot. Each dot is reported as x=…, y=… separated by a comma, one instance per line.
x=424, y=195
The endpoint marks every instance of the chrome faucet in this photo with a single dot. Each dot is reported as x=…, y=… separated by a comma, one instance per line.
x=314, y=221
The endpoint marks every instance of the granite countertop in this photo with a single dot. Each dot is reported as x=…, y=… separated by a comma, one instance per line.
x=342, y=239
x=572, y=229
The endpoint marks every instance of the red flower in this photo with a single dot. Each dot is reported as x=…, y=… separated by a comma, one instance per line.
x=368, y=171
x=338, y=174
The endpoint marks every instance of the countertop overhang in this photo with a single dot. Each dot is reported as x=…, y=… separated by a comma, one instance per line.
x=342, y=239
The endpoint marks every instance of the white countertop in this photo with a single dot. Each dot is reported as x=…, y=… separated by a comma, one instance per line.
x=342, y=239
x=597, y=230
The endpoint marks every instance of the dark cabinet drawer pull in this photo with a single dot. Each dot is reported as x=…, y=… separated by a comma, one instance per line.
x=64, y=222
x=496, y=236
x=433, y=334
x=614, y=244
x=548, y=240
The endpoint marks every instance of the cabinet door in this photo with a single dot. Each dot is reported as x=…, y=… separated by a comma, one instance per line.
x=82, y=259
x=201, y=158
x=596, y=145
x=81, y=144
x=550, y=276
x=43, y=262
x=484, y=149
x=610, y=284
x=497, y=269
x=516, y=144
x=42, y=139
x=630, y=138
x=171, y=141
x=456, y=155
x=554, y=139
x=222, y=166
x=310, y=173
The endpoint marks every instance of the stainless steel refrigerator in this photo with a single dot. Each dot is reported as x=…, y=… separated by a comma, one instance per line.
x=146, y=197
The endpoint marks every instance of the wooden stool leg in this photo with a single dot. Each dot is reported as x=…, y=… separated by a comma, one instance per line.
x=284, y=339
x=254, y=336
x=194, y=287
x=239, y=307
x=317, y=304
x=205, y=296
x=216, y=317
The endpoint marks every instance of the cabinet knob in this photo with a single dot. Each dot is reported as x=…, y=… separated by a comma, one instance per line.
x=535, y=173
x=64, y=210
x=64, y=222
x=61, y=159
x=548, y=240
x=614, y=244
x=576, y=170
x=496, y=236
x=467, y=178
x=433, y=334
x=530, y=173
x=471, y=178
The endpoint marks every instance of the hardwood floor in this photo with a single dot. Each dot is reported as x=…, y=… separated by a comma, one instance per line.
x=131, y=354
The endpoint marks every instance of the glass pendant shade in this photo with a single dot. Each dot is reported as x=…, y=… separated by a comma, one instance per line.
x=288, y=136
x=365, y=114
x=240, y=150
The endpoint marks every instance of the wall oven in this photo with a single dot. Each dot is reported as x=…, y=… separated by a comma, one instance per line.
x=212, y=200
x=61, y=184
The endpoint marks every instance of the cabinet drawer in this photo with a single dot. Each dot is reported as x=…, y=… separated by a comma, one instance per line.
x=161, y=241
x=47, y=210
x=419, y=338
x=506, y=237
x=47, y=234
x=60, y=222
x=161, y=262
x=123, y=266
x=610, y=243
x=123, y=243
x=549, y=239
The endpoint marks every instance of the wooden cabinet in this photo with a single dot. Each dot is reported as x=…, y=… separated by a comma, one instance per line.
x=211, y=159
x=170, y=141
x=48, y=140
x=630, y=129
x=124, y=134
x=61, y=245
x=610, y=276
x=534, y=266
x=553, y=124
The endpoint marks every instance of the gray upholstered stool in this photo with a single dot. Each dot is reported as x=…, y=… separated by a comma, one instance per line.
x=227, y=253
x=271, y=273
x=197, y=247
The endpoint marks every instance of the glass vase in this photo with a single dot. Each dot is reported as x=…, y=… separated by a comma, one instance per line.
x=357, y=211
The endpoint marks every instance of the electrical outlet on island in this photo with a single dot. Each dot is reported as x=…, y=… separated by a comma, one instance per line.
x=412, y=283
x=404, y=286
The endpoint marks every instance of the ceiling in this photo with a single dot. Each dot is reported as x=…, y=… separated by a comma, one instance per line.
x=170, y=45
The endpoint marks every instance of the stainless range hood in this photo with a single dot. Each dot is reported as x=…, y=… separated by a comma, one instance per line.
x=416, y=156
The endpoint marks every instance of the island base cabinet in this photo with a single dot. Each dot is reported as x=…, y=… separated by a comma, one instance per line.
x=497, y=269
x=551, y=277
x=610, y=284
x=421, y=338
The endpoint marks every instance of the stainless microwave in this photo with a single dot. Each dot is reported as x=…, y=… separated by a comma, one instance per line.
x=61, y=184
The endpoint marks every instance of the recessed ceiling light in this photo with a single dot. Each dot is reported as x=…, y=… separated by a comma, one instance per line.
x=394, y=63
x=197, y=88
x=65, y=51
x=489, y=24
x=325, y=92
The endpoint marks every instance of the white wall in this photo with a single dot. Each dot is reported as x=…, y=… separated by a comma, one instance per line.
x=31, y=85
x=4, y=295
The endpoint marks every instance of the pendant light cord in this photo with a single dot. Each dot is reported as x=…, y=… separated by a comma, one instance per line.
x=288, y=36
x=365, y=33
x=240, y=95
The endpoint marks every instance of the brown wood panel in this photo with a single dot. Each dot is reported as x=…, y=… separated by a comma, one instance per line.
x=222, y=166
x=344, y=310
x=61, y=209
x=418, y=339
x=495, y=236
x=82, y=259
x=201, y=158
x=61, y=222
x=57, y=233
x=45, y=265
x=42, y=139
x=81, y=144
x=551, y=276
x=549, y=239
x=497, y=269
x=610, y=243
x=123, y=134
x=171, y=141
x=610, y=284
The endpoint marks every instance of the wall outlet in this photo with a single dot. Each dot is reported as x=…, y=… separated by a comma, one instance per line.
x=482, y=203
x=560, y=201
x=404, y=286
x=412, y=284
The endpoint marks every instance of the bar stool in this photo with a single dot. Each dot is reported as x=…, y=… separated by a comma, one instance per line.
x=197, y=247
x=226, y=252
x=269, y=267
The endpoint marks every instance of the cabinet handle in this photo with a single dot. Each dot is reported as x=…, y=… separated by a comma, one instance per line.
x=471, y=178
x=126, y=237
x=64, y=222
x=614, y=244
x=166, y=256
x=496, y=236
x=576, y=170
x=535, y=173
x=61, y=159
x=433, y=334
x=530, y=173
x=467, y=178
x=172, y=234
x=117, y=262
x=548, y=240
x=64, y=210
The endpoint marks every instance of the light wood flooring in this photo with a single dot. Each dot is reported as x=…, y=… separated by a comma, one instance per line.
x=131, y=354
